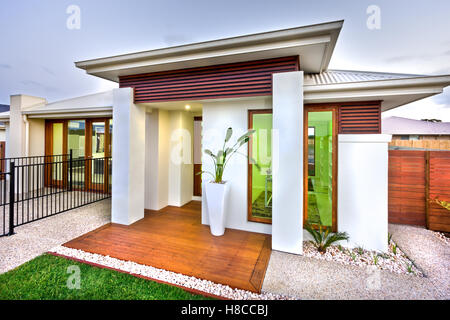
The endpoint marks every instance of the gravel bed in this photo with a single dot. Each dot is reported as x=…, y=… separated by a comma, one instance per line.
x=28, y=209
x=396, y=262
x=429, y=251
x=328, y=276
x=311, y=278
x=36, y=238
x=167, y=276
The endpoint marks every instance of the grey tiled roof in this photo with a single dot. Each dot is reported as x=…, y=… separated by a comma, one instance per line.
x=4, y=107
x=347, y=76
x=405, y=126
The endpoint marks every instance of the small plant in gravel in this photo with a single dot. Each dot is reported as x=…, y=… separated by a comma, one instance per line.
x=410, y=268
x=384, y=255
x=375, y=259
x=353, y=256
x=360, y=250
x=389, y=238
x=394, y=249
x=323, y=238
x=340, y=248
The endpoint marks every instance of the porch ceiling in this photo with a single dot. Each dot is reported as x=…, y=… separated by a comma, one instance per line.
x=195, y=106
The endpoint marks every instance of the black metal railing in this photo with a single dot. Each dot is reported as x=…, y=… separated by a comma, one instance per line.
x=35, y=188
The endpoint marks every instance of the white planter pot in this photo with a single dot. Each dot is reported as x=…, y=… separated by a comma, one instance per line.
x=216, y=197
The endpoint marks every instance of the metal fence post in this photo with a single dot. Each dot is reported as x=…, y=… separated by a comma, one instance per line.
x=70, y=170
x=12, y=179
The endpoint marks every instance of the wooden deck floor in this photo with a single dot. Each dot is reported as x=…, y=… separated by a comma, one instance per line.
x=174, y=239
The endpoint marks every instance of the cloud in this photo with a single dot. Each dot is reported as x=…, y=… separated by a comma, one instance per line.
x=49, y=71
x=417, y=57
x=5, y=66
x=443, y=99
x=176, y=39
x=31, y=83
x=423, y=109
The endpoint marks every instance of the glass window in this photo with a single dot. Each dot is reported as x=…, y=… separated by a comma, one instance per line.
x=320, y=167
x=76, y=138
x=57, y=150
x=98, y=152
x=260, y=147
x=110, y=154
x=311, y=151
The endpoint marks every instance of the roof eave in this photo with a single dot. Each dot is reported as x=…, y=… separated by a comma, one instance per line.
x=330, y=29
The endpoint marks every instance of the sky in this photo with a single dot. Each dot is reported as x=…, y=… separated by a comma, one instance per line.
x=38, y=50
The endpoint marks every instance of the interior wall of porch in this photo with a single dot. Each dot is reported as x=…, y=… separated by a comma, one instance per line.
x=169, y=159
x=156, y=160
x=217, y=117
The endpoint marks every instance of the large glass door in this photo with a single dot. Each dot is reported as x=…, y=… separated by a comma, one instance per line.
x=90, y=143
x=99, y=148
x=320, y=167
x=56, y=170
x=76, y=141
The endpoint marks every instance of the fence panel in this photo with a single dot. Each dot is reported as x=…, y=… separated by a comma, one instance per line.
x=438, y=217
x=40, y=187
x=407, y=186
x=415, y=177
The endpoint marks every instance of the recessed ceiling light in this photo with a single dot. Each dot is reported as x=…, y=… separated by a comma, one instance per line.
x=187, y=107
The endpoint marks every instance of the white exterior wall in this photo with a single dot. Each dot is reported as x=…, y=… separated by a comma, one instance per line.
x=3, y=135
x=217, y=117
x=128, y=158
x=37, y=137
x=287, y=162
x=363, y=189
x=17, y=127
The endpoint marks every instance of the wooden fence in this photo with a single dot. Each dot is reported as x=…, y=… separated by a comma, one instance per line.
x=414, y=178
x=437, y=144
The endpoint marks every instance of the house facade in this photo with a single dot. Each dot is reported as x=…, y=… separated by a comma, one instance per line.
x=321, y=157
x=417, y=134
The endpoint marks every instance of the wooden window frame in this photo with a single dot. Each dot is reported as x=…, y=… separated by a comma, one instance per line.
x=335, y=111
x=250, y=217
x=89, y=186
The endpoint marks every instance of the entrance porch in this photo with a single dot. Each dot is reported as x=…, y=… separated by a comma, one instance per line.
x=174, y=239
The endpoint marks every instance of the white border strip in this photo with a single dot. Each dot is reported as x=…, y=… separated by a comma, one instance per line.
x=167, y=276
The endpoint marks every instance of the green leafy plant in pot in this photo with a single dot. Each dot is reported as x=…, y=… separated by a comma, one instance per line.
x=217, y=189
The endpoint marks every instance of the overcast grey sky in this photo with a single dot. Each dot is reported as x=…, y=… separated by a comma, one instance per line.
x=37, y=50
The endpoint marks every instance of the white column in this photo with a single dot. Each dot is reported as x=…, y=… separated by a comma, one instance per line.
x=17, y=139
x=287, y=162
x=363, y=189
x=128, y=158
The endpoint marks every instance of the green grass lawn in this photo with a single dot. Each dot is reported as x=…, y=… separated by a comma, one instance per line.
x=46, y=276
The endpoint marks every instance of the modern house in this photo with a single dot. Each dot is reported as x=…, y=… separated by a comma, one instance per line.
x=3, y=108
x=417, y=134
x=319, y=146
